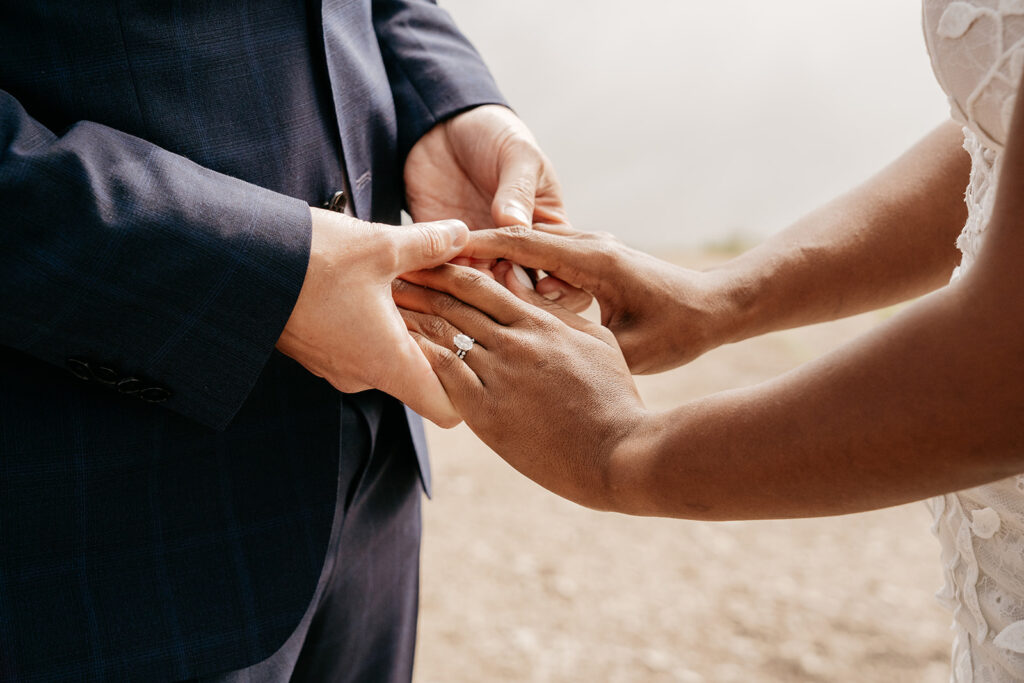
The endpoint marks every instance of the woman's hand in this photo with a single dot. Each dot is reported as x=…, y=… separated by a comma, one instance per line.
x=662, y=315
x=546, y=389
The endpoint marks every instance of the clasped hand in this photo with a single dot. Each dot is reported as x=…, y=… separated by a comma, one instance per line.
x=481, y=167
x=544, y=387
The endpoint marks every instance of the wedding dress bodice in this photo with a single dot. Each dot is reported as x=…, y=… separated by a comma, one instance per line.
x=977, y=52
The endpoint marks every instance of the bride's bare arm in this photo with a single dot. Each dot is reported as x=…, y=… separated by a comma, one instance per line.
x=933, y=401
x=891, y=239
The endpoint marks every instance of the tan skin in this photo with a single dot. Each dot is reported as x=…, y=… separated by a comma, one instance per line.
x=482, y=166
x=930, y=402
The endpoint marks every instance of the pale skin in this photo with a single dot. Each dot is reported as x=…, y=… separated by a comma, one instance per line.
x=482, y=167
x=485, y=168
x=932, y=401
x=345, y=327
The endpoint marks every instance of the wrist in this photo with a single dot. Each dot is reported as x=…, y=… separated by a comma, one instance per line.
x=738, y=298
x=625, y=465
x=298, y=339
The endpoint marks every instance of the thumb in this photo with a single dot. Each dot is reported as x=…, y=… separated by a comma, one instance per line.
x=425, y=245
x=517, y=190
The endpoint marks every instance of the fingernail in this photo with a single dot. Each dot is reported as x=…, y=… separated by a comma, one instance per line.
x=457, y=230
x=517, y=212
x=554, y=295
x=521, y=275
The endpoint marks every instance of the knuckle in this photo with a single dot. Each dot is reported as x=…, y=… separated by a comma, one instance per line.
x=548, y=323
x=443, y=305
x=436, y=328
x=606, y=251
x=515, y=233
x=536, y=320
x=470, y=278
x=447, y=360
x=600, y=239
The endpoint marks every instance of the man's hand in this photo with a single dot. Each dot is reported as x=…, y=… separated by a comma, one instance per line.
x=345, y=326
x=485, y=168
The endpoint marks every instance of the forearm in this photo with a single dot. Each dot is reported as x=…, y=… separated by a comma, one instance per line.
x=121, y=253
x=889, y=240
x=929, y=403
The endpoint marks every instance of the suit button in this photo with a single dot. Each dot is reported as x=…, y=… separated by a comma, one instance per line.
x=105, y=375
x=130, y=385
x=154, y=394
x=79, y=368
x=338, y=202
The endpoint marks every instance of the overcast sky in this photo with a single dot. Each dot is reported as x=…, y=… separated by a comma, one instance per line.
x=685, y=122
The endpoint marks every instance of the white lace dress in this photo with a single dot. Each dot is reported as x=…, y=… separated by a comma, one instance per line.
x=977, y=52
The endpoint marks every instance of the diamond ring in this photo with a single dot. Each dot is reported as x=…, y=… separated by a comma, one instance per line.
x=463, y=343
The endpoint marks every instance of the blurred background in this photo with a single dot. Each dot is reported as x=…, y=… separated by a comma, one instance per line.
x=689, y=129
x=682, y=123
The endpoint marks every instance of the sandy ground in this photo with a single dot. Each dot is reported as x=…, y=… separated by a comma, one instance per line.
x=519, y=585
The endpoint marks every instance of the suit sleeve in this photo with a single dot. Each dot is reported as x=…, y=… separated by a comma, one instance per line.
x=141, y=264
x=434, y=71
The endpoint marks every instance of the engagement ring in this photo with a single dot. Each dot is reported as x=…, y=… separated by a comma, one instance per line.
x=463, y=343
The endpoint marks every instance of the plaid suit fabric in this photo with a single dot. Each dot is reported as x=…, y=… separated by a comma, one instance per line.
x=156, y=162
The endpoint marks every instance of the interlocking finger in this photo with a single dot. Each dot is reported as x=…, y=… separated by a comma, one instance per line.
x=505, y=272
x=444, y=334
x=567, y=296
x=474, y=288
x=431, y=302
x=461, y=384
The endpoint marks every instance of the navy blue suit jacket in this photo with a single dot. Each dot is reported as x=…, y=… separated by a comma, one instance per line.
x=168, y=516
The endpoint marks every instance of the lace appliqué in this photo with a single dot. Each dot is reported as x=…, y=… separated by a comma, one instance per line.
x=980, y=197
x=981, y=589
x=988, y=108
x=977, y=50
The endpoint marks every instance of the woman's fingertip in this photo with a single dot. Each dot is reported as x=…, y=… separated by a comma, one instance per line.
x=501, y=269
x=521, y=275
x=553, y=295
